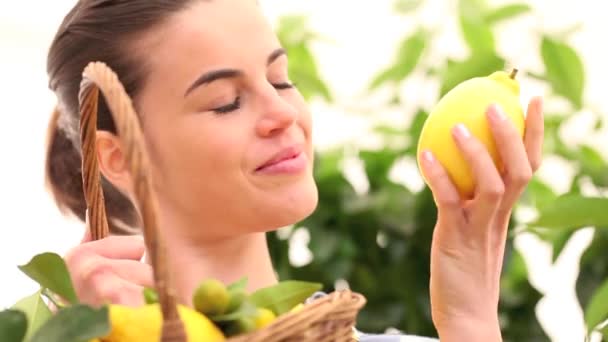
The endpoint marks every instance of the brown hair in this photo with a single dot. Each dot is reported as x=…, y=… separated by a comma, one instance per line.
x=95, y=30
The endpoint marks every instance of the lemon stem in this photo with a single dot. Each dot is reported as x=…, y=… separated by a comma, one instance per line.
x=513, y=73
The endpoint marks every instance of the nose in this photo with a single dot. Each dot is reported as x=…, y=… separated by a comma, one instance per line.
x=277, y=114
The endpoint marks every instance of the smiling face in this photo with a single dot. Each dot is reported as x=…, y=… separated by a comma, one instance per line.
x=229, y=137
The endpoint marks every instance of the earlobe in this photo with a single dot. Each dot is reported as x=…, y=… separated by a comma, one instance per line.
x=112, y=163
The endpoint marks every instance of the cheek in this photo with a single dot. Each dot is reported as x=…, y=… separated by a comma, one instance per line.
x=304, y=116
x=204, y=149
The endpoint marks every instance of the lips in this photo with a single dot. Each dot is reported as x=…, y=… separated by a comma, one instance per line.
x=286, y=154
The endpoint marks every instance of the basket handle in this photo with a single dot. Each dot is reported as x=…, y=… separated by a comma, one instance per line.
x=98, y=76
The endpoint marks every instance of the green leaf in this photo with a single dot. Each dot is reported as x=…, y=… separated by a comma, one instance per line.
x=592, y=164
x=416, y=128
x=293, y=30
x=597, y=310
x=284, y=296
x=557, y=237
x=564, y=69
x=539, y=194
x=559, y=242
x=240, y=284
x=304, y=73
x=49, y=270
x=36, y=311
x=150, y=296
x=388, y=130
x=409, y=54
x=78, y=323
x=246, y=309
x=506, y=12
x=295, y=36
x=387, y=75
x=477, y=33
x=13, y=326
x=406, y=6
x=477, y=65
x=574, y=211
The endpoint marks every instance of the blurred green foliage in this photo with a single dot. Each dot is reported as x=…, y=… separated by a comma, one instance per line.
x=379, y=241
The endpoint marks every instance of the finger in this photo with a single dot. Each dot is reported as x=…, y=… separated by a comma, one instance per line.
x=97, y=279
x=133, y=271
x=118, y=247
x=115, y=290
x=517, y=170
x=489, y=186
x=534, y=134
x=446, y=196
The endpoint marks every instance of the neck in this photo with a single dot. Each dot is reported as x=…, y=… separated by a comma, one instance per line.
x=227, y=260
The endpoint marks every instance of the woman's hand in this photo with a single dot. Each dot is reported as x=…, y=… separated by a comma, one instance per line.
x=110, y=271
x=469, y=238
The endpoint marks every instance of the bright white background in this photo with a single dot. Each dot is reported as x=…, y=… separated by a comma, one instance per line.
x=364, y=35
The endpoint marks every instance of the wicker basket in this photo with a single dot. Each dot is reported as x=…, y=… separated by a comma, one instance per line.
x=330, y=318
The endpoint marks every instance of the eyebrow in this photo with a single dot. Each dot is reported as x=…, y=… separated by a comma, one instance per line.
x=215, y=75
x=275, y=54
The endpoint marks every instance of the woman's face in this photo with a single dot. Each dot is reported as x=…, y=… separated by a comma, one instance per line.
x=228, y=136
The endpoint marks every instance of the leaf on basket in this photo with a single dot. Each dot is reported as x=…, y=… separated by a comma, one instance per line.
x=35, y=310
x=247, y=309
x=282, y=297
x=241, y=284
x=75, y=323
x=49, y=270
x=13, y=325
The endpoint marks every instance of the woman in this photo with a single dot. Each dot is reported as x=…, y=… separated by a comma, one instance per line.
x=229, y=139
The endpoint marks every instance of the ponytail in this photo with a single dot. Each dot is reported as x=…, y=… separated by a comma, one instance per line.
x=63, y=178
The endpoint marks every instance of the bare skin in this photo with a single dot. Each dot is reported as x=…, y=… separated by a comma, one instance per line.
x=213, y=146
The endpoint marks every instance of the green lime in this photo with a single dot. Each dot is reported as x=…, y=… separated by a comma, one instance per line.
x=211, y=297
x=237, y=297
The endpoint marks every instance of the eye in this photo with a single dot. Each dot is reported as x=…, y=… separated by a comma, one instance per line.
x=281, y=86
x=229, y=107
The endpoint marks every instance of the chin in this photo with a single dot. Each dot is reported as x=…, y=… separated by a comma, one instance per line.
x=291, y=208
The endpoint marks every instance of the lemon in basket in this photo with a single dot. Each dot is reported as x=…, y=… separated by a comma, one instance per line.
x=144, y=324
x=263, y=318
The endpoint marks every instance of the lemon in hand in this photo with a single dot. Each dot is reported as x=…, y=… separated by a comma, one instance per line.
x=467, y=104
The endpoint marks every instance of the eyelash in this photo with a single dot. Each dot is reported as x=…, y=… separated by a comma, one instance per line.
x=281, y=86
x=230, y=107
x=237, y=102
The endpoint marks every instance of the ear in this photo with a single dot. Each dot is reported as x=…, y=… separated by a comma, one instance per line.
x=112, y=163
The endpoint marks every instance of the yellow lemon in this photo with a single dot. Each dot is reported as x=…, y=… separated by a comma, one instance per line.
x=144, y=324
x=297, y=308
x=264, y=318
x=467, y=103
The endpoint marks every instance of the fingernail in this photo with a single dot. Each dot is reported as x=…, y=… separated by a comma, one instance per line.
x=428, y=157
x=462, y=131
x=496, y=113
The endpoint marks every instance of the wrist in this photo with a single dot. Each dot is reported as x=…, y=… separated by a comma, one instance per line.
x=486, y=330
